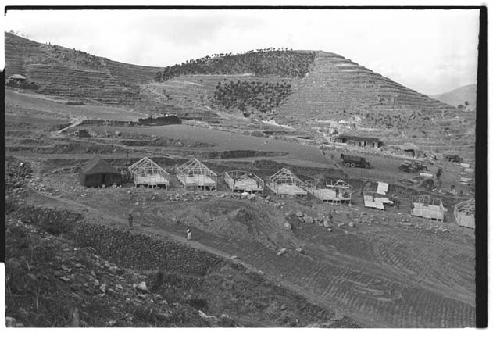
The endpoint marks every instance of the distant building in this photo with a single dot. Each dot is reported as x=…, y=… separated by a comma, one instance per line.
x=98, y=172
x=82, y=133
x=20, y=81
x=16, y=80
x=358, y=141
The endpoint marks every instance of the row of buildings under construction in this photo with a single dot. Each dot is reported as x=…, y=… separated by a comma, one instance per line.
x=194, y=175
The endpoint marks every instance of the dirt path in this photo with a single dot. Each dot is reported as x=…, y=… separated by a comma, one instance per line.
x=95, y=215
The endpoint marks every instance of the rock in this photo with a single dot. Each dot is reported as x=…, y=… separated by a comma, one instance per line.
x=287, y=226
x=141, y=287
x=350, y=224
x=299, y=214
x=281, y=251
x=300, y=250
x=233, y=257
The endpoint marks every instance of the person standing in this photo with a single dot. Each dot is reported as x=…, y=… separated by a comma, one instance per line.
x=188, y=233
x=439, y=173
x=130, y=221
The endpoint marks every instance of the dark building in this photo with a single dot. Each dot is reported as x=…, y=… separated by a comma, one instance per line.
x=359, y=141
x=99, y=172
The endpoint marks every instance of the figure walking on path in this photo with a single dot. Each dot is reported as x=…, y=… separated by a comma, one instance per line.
x=188, y=233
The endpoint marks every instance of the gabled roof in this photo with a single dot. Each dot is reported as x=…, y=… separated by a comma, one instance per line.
x=17, y=77
x=194, y=166
x=242, y=175
x=98, y=166
x=285, y=175
x=146, y=165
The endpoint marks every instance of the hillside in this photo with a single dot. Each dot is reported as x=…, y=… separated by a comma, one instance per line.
x=295, y=88
x=66, y=72
x=323, y=86
x=459, y=96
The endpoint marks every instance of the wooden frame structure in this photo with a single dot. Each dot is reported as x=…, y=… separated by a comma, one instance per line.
x=465, y=213
x=428, y=207
x=242, y=181
x=195, y=175
x=147, y=173
x=284, y=182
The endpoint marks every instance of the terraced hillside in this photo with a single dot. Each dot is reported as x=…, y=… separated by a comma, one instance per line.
x=323, y=86
x=339, y=87
x=70, y=73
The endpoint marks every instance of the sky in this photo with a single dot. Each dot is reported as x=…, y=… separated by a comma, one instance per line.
x=431, y=51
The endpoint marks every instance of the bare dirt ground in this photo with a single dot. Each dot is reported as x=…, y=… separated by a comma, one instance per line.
x=380, y=268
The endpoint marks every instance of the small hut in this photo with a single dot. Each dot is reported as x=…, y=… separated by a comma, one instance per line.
x=147, y=173
x=99, y=172
x=465, y=213
x=284, y=182
x=428, y=207
x=242, y=181
x=16, y=80
x=195, y=175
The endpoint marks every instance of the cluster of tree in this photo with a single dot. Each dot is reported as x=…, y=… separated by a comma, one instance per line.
x=283, y=62
x=251, y=95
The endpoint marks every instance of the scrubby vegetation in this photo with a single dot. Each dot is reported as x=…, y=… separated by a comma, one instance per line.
x=251, y=95
x=282, y=62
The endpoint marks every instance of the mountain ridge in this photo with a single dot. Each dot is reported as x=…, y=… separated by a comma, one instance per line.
x=459, y=96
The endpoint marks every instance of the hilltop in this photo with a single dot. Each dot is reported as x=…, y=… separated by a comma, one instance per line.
x=459, y=96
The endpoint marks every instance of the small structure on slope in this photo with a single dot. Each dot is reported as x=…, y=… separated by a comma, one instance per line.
x=242, y=181
x=428, y=207
x=195, y=175
x=147, y=173
x=82, y=133
x=284, y=182
x=99, y=172
x=343, y=190
x=360, y=141
x=465, y=213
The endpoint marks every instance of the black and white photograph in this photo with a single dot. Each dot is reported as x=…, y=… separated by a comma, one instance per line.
x=250, y=167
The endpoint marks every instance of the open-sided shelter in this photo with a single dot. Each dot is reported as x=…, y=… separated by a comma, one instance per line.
x=99, y=172
x=428, y=207
x=149, y=174
x=195, y=175
x=284, y=182
x=242, y=181
x=359, y=141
